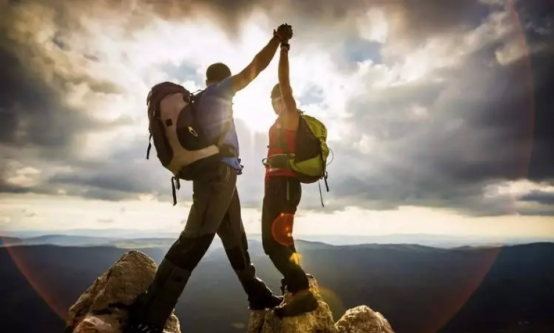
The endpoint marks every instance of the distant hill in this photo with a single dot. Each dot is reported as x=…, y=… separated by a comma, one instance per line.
x=418, y=289
x=7, y=241
x=132, y=239
x=86, y=241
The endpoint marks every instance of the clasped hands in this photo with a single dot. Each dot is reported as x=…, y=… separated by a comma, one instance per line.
x=284, y=33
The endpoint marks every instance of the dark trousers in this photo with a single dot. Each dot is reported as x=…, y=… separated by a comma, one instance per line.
x=281, y=199
x=215, y=210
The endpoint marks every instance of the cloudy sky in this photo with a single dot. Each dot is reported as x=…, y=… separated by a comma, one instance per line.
x=438, y=110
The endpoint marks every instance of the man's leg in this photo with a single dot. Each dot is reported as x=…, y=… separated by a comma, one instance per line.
x=232, y=234
x=211, y=199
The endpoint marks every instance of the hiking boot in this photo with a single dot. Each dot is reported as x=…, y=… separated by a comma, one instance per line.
x=283, y=286
x=68, y=329
x=302, y=302
x=268, y=302
x=260, y=297
x=136, y=312
x=142, y=328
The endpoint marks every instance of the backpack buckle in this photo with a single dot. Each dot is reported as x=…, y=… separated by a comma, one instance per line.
x=192, y=131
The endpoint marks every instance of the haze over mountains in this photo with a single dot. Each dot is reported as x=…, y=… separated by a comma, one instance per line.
x=419, y=289
x=132, y=238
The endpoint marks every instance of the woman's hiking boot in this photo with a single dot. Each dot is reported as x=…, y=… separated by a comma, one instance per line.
x=283, y=287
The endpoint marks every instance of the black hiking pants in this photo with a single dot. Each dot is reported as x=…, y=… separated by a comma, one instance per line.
x=281, y=199
x=215, y=210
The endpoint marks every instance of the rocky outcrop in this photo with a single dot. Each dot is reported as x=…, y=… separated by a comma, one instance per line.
x=102, y=308
x=360, y=319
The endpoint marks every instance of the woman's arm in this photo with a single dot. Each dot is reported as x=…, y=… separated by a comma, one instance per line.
x=291, y=116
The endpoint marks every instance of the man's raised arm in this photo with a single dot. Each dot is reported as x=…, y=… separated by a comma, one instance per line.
x=260, y=62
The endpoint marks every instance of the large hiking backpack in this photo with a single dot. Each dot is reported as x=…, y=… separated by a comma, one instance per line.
x=180, y=143
x=309, y=162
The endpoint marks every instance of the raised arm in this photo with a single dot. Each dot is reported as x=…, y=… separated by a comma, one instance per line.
x=260, y=62
x=291, y=115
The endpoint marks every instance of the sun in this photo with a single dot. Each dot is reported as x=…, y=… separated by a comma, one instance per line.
x=253, y=107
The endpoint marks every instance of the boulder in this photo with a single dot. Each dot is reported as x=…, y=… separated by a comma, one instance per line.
x=102, y=308
x=360, y=319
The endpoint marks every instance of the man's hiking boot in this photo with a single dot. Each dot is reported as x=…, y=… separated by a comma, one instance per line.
x=302, y=302
x=134, y=322
x=142, y=328
x=268, y=302
x=260, y=297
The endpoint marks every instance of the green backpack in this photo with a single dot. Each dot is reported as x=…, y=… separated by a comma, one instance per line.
x=309, y=162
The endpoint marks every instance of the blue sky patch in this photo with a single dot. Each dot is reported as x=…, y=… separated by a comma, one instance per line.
x=183, y=72
x=314, y=95
x=360, y=50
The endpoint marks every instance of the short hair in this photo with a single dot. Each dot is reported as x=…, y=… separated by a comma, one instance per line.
x=276, y=91
x=217, y=72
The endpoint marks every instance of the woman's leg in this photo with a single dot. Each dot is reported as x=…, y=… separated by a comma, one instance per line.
x=282, y=196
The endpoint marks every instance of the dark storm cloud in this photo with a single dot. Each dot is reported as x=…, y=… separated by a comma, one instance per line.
x=36, y=125
x=411, y=18
x=542, y=156
x=32, y=112
x=544, y=198
x=478, y=128
x=486, y=124
x=386, y=114
x=414, y=19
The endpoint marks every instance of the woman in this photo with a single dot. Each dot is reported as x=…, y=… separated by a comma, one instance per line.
x=282, y=195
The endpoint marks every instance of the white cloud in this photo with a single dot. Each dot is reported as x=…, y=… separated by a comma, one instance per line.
x=20, y=175
x=144, y=215
x=515, y=189
x=373, y=26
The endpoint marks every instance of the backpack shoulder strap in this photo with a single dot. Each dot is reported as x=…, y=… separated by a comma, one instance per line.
x=224, y=131
x=194, y=100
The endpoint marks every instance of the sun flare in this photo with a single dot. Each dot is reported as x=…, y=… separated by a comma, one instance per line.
x=254, y=108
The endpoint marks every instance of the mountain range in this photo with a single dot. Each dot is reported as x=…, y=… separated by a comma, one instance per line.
x=419, y=289
x=131, y=238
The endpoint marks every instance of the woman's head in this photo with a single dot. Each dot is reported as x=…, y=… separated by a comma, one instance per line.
x=277, y=100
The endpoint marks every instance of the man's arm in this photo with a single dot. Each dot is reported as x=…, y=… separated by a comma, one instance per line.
x=291, y=112
x=260, y=62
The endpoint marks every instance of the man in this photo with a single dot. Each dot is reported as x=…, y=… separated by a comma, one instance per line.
x=282, y=195
x=215, y=208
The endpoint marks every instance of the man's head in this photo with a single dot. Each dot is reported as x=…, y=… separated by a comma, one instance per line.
x=216, y=73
